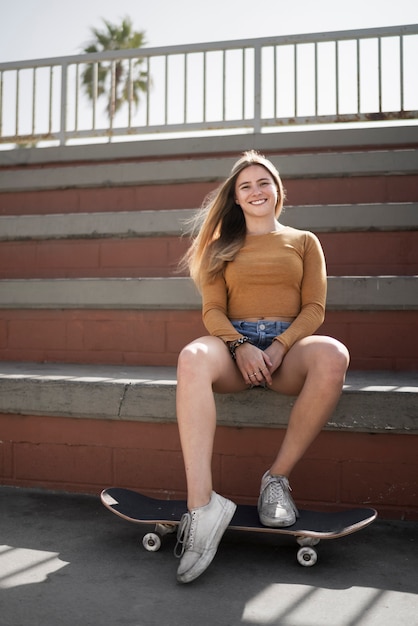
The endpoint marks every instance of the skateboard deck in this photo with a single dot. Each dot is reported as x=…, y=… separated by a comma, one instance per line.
x=309, y=529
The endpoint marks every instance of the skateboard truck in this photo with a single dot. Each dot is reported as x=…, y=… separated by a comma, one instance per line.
x=152, y=541
x=307, y=555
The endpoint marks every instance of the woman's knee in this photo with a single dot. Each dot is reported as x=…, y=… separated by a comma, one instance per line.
x=196, y=356
x=188, y=358
x=333, y=358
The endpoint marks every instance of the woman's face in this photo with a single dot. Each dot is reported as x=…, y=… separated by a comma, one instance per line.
x=256, y=192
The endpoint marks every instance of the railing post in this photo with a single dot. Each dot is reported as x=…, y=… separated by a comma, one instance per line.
x=257, y=88
x=64, y=89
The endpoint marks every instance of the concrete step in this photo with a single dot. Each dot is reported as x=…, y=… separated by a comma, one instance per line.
x=348, y=293
x=123, y=224
x=78, y=428
x=313, y=141
x=371, y=401
x=185, y=170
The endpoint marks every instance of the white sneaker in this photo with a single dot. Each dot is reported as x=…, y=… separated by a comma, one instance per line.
x=276, y=507
x=199, y=534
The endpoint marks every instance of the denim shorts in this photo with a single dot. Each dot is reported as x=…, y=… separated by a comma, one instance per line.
x=261, y=333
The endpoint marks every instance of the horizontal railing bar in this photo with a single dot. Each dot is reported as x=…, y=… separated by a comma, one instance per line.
x=389, y=31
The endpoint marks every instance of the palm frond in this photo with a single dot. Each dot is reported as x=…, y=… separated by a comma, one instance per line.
x=116, y=37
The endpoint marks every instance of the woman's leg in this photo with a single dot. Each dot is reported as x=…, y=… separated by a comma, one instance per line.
x=314, y=369
x=202, y=365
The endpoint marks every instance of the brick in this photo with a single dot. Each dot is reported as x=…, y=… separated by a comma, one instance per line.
x=376, y=253
x=48, y=333
x=400, y=188
x=255, y=442
x=135, y=253
x=374, y=483
x=144, y=197
x=138, y=336
x=241, y=475
x=376, y=339
x=126, y=434
x=3, y=334
x=316, y=480
x=183, y=332
x=149, y=470
x=41, y=202
x=177, y=247
x=355, y=189
x=63, y=463
x=66, y=258
x=6, y=460
x=312, y=480
x=17, y=259
x=73, y=431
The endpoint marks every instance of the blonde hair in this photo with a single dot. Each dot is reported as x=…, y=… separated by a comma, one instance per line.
x=220, y=223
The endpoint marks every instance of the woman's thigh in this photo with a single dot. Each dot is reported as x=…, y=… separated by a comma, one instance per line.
x=315, y=354
x=209, y=355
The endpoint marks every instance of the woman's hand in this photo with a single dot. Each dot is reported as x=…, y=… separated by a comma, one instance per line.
x=276, y=353
x=254, y=364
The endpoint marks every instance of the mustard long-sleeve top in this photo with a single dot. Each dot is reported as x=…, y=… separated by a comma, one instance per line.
x=280, y=274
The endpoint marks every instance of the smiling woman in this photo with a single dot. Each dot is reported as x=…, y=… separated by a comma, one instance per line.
x=263, y=291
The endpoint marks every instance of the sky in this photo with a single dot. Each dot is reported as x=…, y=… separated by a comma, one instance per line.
x=34, y=29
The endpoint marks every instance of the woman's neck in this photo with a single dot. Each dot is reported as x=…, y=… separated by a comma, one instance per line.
x=263, y=228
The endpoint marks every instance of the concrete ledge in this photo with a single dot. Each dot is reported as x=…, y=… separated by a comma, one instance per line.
x=405, y=134
x=349, y=293
x=181, y=170
x=120, y=224
x=371, y=401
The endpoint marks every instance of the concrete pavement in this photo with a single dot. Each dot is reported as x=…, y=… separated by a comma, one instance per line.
x=65, y=560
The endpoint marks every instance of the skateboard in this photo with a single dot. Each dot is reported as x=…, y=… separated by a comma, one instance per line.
x=309, y=529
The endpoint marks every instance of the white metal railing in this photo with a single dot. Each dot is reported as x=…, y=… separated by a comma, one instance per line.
x=244, y=86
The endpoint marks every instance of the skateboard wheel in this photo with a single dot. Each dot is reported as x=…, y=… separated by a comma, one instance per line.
x=151, y=542
x=307, y=556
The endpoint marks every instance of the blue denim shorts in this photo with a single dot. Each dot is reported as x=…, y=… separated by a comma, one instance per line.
x=261, y=333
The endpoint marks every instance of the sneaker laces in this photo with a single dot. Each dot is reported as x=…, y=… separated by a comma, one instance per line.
x=185, y=534
x=275, y=491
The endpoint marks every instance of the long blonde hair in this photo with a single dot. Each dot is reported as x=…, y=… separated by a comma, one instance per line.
x=219, y=227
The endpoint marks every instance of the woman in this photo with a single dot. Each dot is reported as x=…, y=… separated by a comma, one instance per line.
x=263, y=289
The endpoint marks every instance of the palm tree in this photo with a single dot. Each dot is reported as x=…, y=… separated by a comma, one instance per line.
x=129, y=79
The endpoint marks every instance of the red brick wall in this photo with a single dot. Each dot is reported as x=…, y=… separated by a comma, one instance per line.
x=90, y=258
x=384, y=340
x=355, y=189
x=340, y=469
x=347, y=254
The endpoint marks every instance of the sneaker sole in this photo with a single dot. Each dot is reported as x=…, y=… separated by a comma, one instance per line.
x=274, y=523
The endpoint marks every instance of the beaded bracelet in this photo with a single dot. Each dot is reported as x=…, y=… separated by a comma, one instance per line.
x=235, y=344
